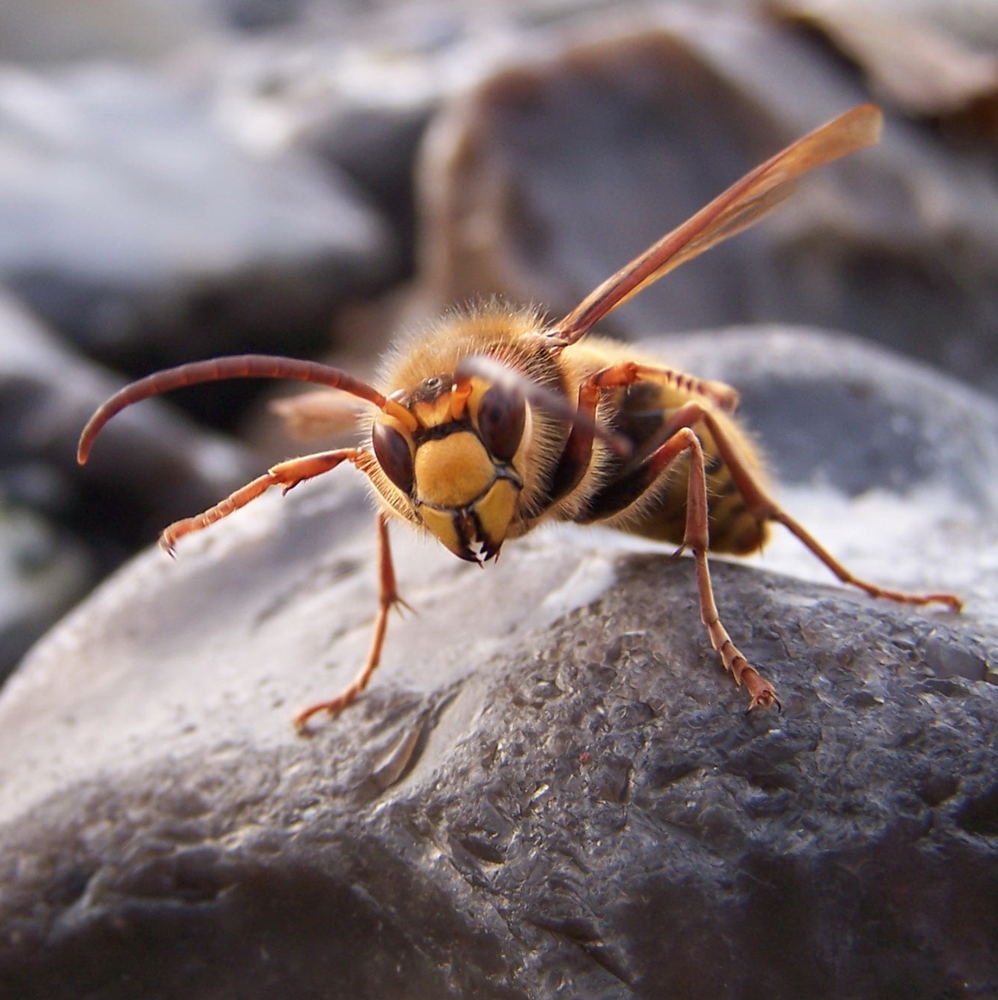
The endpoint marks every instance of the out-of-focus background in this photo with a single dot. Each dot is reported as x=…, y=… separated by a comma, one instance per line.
x=186, y=178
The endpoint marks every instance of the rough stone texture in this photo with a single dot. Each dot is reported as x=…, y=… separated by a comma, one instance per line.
x=550, y=789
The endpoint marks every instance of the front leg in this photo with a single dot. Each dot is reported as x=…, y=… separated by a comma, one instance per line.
x=387, y=598
x=286, y=474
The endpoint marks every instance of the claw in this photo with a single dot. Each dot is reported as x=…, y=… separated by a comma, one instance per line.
x=763, y=693
x=765, y=699
x=333, y=707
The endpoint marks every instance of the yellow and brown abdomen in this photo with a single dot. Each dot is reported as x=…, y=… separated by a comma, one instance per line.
x=643, y=413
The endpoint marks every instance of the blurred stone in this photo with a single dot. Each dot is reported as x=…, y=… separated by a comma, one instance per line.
x=148, y=468
x=550, y=787
x=43, y=572
x=377, y=148
x=971, y=22
x=145, y=236
x=49, y=31
x=799, y=387
x=261, y=15
x=914, y=65
x=555, y=172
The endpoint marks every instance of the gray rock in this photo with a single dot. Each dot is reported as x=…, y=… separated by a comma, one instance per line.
x=923, y=67
x=799, y=387
x=43, y=572
x=145, y=235
x=550, y=788
x=152, y=467
x=47, y=31
x=377, y=147
x=974, y=23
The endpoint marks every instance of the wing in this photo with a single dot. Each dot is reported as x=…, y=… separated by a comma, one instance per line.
x=743, y=204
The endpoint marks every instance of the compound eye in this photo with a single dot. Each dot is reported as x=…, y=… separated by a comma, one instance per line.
x=392, y=452
x=501, y=416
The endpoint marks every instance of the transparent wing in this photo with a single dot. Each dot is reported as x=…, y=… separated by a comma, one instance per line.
x=741, y=205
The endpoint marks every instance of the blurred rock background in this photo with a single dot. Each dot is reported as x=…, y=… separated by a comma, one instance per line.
x=183, y=179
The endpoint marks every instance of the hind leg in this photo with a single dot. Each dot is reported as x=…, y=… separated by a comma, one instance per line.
x=758, y=503
x=764, y=508
x=762, y=694
x=620, y=493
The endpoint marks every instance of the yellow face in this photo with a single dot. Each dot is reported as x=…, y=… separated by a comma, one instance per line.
x=460, y=467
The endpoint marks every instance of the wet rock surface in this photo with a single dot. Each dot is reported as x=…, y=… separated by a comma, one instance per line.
x=550, y=787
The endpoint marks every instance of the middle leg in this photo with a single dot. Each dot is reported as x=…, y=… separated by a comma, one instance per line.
x=696, y=540
x=764, y=508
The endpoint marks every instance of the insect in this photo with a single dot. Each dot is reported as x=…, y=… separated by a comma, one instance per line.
x=496, y=420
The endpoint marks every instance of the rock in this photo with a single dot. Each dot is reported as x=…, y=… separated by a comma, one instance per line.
x=211, y=226
x=555, y=172
x=62, y=527
x=921, y=67
x=43, y=572
x=150, y=465
x=799, y=387
x=261, y=15
x=49, y=31
x=550, y=787
x=377, y=148
x=154, y=239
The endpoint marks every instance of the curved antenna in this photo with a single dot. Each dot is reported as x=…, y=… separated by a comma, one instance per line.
x=235, y=366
